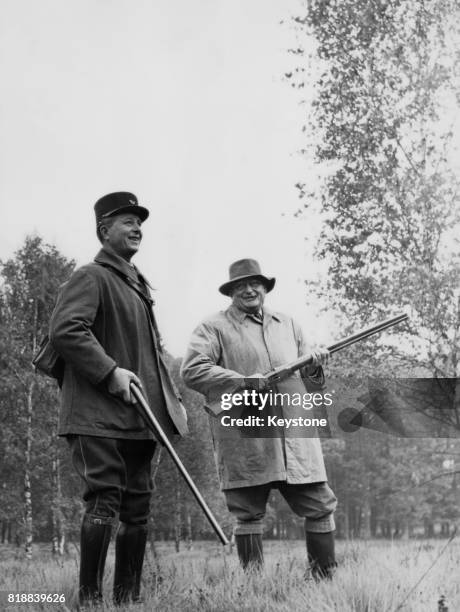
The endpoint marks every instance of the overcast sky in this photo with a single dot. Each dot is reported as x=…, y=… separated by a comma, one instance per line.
x=180, y=102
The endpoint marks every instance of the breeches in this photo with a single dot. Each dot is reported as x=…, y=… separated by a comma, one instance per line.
x=314, y=501
x=117, y=477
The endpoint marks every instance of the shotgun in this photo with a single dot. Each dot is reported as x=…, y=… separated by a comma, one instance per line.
x=154, y=425
x=282, y=372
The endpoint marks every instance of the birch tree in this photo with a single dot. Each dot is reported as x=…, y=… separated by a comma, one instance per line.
x=382, y=132
x=30, y=283
x=383, y=124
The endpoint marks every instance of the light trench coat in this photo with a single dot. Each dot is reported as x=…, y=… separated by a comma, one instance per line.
x=223, y=350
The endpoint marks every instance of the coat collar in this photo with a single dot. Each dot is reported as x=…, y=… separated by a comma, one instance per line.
x=240, y=316
x=106, y=257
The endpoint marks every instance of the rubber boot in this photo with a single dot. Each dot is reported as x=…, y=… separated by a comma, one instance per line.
x=94, y=542
x=250, y=550
x=321, y=555
x=129, y=557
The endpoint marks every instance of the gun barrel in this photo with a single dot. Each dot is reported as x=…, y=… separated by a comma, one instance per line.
x=365, y=333
x=155, y=426
x=283, y=371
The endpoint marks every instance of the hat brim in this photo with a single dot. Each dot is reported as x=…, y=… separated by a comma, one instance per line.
x=137, y=210
x=226, y=288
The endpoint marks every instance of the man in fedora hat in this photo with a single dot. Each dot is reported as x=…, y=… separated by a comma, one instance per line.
x=104, y=328
x=228, y=354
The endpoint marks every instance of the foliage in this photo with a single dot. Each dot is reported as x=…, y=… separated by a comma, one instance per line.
x=29, y=403
x=381, y=127
x=381, y=120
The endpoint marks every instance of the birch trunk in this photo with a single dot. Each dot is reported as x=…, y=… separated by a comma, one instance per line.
x=188, y=527
x=57, y=518
x=28, y=525
x=366, y=511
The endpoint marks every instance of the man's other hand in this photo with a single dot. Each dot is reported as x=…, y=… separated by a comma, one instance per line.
x=256, y=382
x=118, y=384
x=320, y=356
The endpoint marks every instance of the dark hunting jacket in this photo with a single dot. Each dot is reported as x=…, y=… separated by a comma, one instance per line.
x=103, y=319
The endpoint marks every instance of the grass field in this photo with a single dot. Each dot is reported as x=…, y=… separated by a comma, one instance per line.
x=373, y=577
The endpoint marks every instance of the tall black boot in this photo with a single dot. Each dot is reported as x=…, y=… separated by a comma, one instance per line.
x=129, y=557
x=94, y=542
x=321, y=554
x=250, y=550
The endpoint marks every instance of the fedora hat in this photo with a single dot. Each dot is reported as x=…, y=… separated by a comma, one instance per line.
x=245, y=268
x=117, y=203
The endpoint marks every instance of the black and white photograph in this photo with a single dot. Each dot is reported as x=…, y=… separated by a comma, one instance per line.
x=230, y=306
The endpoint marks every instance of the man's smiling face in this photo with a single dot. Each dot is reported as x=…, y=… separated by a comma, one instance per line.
x=123, y=235
x=249, y=294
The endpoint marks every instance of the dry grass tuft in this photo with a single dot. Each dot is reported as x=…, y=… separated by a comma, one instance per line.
x=372, y=577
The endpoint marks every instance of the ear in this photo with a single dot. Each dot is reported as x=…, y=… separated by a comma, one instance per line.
x=103, y=230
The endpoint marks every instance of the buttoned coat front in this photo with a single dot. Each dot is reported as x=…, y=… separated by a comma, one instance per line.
x=101, y=320
x=223, y=350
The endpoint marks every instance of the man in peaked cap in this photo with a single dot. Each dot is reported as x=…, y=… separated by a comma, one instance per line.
x=104, y=328
x=228, y=354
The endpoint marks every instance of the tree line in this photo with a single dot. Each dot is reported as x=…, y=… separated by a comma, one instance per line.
x=379, y=479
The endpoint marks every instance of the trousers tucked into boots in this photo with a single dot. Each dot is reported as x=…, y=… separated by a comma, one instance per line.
x=94, y=541
x=250, y=550
x=129, y=557
x=321, y=554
